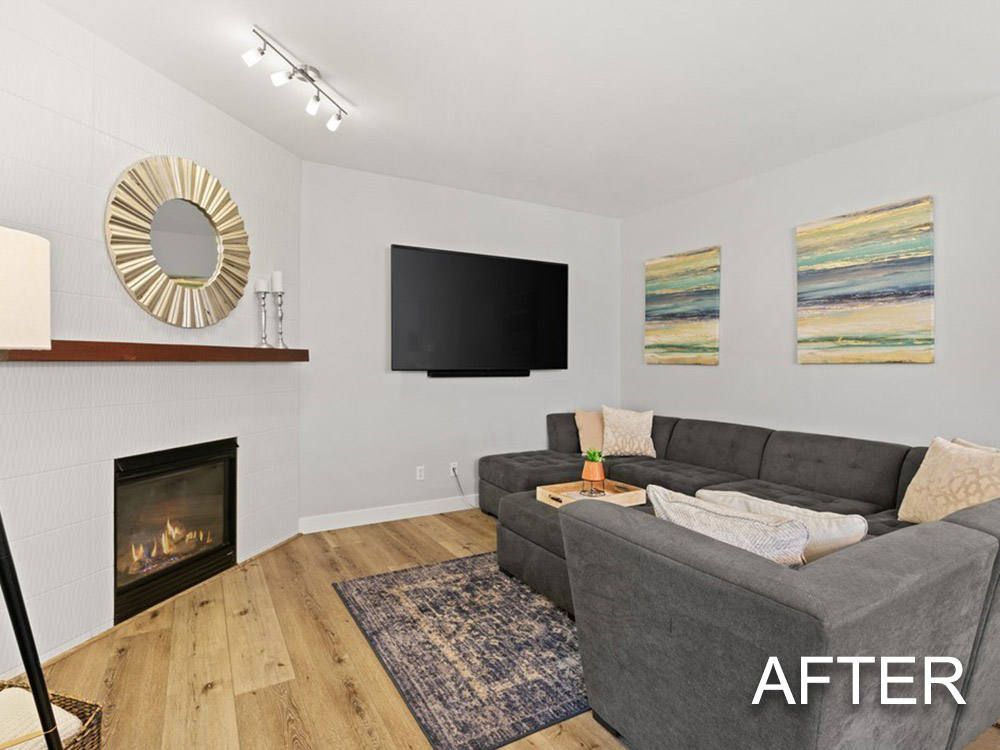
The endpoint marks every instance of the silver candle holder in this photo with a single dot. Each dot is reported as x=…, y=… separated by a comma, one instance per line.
x=262, y=299
x=279, y=299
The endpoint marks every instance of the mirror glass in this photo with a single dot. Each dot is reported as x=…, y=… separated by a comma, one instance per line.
x=184, y=241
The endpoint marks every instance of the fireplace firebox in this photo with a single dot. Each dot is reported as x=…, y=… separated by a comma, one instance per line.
x=175, y=522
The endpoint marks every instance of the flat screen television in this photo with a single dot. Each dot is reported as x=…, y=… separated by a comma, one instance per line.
x=462, y=314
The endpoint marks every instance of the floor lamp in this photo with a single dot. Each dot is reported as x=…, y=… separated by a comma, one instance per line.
x=25, y=323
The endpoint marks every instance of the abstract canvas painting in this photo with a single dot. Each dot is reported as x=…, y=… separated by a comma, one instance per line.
x=866, y=286
x=682, y=308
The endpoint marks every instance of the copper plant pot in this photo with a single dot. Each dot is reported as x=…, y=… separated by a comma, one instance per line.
x=593, y=478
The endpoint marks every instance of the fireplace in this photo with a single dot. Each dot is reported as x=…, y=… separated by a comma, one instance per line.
x=175, y=522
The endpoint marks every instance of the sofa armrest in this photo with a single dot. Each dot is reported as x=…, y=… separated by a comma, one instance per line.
x=562, y=432
x=676, y=624
x=981, y=686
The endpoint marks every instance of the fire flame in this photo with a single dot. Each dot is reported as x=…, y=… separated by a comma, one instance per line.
x=173, y=538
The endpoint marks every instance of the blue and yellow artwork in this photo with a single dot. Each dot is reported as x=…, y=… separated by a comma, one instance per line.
x=682, y=308
x=866, y=286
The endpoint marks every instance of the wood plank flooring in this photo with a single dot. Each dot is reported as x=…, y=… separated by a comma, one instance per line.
x=265, y=656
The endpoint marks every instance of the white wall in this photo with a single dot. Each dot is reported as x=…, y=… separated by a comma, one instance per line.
x=956, y=159
x=75, y=112
x=366, y=428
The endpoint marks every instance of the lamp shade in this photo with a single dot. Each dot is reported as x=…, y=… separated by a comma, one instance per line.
x=25, y=291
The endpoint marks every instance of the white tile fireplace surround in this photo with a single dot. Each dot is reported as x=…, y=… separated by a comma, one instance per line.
x=74, y=112
x=57, y=490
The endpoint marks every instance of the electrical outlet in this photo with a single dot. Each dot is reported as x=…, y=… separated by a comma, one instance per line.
x=420, y=473
x=453, y=468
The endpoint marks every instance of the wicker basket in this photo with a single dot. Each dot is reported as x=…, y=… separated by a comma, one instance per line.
x=89, y=736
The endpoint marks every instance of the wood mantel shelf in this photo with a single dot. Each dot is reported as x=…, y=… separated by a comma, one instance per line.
x=123, y=351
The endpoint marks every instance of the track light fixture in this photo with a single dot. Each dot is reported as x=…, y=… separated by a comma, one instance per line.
x=312, y=106
x=296, y=70
x=254, y=55
x=281, y=77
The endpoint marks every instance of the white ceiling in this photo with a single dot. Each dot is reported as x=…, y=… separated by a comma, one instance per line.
x=605, y=106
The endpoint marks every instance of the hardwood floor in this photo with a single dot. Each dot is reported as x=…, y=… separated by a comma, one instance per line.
x=265, y=656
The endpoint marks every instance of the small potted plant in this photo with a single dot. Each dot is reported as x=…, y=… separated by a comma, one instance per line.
x=593, y=473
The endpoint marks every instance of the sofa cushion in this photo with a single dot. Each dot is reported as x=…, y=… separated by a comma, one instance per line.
x=730, y=448
x=562, y=432
x=803, y=498
x=673, y=475
x=490, y=496
x=884, y=521
x=863, y=470
x=535, y=521
x=662, y=429
x=526, y=470
x=914, y=457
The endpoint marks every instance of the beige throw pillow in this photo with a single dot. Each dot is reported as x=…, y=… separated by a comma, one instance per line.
x=590, y=426
x=628, y=433
x=951, y=477
x=781, y=540
x=828, y=532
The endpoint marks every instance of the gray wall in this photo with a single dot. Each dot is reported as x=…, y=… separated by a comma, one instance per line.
x=955, y=158
x=366, y=428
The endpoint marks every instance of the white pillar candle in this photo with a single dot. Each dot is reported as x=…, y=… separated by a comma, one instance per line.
x=277, y=283
x=261, y=285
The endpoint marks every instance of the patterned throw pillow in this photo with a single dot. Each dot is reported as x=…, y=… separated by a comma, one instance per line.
x=828, y=532
x=781, y=540
x=950, y=478
x=628, y=433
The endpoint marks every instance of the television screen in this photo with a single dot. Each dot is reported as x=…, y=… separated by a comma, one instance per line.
x=455, y=313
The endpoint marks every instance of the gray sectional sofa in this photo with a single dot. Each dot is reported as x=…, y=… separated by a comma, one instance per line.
x=821, y=472
x=675, y=627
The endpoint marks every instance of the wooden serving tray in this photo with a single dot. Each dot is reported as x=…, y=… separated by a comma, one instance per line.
x=619, y=493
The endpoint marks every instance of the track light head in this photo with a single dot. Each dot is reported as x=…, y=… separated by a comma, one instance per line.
x=282, y=77
x=254, y=55
x=334, y=122
x=312, y=106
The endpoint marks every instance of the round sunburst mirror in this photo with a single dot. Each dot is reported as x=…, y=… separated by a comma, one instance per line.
x=177, y=241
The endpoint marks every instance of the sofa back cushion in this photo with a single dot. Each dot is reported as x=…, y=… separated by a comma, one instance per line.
x=563, y=436
x=857, y=469
x=914, y=457
x=662, y=428
x=736, y=448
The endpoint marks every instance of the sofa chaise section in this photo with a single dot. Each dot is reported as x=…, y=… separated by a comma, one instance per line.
x=562, y=461
x=676, y=628
x=530, y=547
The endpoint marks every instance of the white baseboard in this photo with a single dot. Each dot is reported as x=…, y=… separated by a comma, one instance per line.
x=347, y=518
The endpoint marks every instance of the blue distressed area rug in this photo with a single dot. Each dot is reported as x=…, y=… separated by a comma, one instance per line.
x=479, y=658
